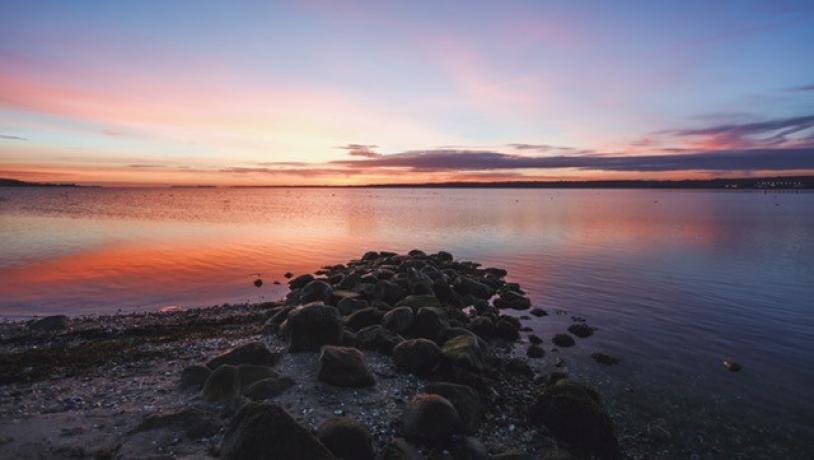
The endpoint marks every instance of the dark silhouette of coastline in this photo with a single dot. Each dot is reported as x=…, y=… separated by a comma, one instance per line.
x=19, y=183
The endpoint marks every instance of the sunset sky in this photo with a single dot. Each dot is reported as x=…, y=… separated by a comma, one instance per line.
x=318, y=92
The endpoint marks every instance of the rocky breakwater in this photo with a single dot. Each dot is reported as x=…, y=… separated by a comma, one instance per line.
x=434, y=328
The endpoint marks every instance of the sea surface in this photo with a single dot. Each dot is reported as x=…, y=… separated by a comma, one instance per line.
x=676, y=281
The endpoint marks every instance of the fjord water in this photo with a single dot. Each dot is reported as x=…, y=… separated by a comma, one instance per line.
x=674, y=280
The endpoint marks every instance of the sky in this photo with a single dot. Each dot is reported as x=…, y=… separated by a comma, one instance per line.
x=320, y=92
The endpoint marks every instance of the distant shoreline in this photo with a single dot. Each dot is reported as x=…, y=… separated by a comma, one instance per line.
x=751, y=183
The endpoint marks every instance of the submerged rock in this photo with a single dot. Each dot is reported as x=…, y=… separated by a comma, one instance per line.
x=563, y=340
x=602, y=358
x=513, y=300
x=732, y=366
x=581, y=330
x=535, y=351
x=344, y=367
x=430, y=418
x=265, y=431
x=538, y=312
x=417, y=356
x=346, y=438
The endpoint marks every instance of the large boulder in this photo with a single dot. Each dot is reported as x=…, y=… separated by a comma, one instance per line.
x=399, y=320
x=193, y=377
x=344, y=367
x=312, y=326
x=465, y=400
x=399, y=449
x=348, y=305
x=464, y=351
x=419, y=301
x=512, y=299
x=430, y=418
x=363, y=318
x=223, y=385
x=316, y=291
x=417, y=356
x=429, y=322
x=346, y=438
x=248, y=374
x=483, y=326
x=268, y=388
x=250, y=353
x=574, y=415
x=468, y=286
x=49, y=323
x=300, y=281
x=378, y=338
x=265, y=431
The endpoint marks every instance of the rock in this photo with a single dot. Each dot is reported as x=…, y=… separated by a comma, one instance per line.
x=563, y=340
x=483, y=326
x=538, y=312
x=465, y=400
x=312, y=326
x=732, y=366
x=49, y=323
x=300, y=281
x=419, y=301
x=258, y=282
x=250, y=353
x=535, y=351
x=505, y=329
x=265, y=431
x=248, y=374
x=389, y=292
x=193, y=422
x=399, y=320
x=288, y=275
x=602, y=358
x=363, y=318
x=534, y=339
x=429, y=322
x=417, y=253
x=430, y=418
x=378, y=338
x=518, y=366
x=417, y=356
x=512, y=299
x=346, y=438
x=268, y=388
x=349, y=339
x=222, y=385
x=574, y=415
x=468, y=286
x=348, y=305
x=272, y=326
x=581, y=330
x=514, y=455
x=464, y=351
x=370, y=255
x=470, y=448
x=316, y=291
x=344, y=367
x=193, y=377
x=399, y=449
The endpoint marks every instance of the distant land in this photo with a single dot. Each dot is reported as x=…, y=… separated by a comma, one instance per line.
x=750, y=183
x=746, y=183
x=19, y=183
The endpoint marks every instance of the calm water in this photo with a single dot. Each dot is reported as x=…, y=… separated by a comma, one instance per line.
x=676, y=281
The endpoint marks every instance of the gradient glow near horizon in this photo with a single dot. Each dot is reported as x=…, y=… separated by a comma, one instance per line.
x=317, y=92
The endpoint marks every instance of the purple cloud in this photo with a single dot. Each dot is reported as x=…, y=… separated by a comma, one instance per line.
x=361, y=150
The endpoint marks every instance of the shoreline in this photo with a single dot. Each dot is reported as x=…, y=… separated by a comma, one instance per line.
x=65, y=374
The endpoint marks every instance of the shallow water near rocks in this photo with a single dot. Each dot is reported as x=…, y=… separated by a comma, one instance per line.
x=675, y=281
